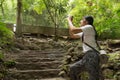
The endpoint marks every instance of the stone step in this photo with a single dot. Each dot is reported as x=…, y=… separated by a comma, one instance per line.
x=41, y=55
x=34, y=52
x=40, y=65
x=37, y=59
x=57, y=78
x=34, y=74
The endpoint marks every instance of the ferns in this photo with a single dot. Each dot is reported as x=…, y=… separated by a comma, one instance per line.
x=5, y=35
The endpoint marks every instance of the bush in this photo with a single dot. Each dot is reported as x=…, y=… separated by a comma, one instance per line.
x=6, y=35
x=4, y=66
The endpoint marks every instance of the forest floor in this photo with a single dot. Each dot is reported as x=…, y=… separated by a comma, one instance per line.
x=43, y=56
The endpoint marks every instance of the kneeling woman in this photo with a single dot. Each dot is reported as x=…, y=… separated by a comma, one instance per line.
x=90, y=61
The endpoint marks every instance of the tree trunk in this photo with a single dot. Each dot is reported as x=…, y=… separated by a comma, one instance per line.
x=1, y=5
x=19, y=20
x=56, y=26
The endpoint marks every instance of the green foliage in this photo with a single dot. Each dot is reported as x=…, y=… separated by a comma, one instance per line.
x=8, y=14
x=56, y=10
x=4, y=66
x=6, y=35
x=39, y=7
x=1, y=56
x=114, y=57
x=10, y=63
x=105, y=12
x=35, y=5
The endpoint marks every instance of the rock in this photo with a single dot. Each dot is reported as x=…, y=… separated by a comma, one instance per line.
x=20, y=46
x=33, y=47
x=117, y=76
x=113, y=57
x=113, y=43
x=103, y=58
x=108, y=74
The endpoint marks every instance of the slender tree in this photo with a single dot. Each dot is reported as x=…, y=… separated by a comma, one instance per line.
x=55, y=9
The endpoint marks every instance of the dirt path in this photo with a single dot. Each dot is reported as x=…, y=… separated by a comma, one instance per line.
x=36, y=64
x=38, y=59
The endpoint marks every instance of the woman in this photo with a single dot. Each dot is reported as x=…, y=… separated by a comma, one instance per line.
x=90, y=61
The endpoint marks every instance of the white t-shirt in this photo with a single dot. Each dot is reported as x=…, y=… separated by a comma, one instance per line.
x=89, y=37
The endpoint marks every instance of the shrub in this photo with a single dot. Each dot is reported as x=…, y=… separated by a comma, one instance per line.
x=6, y=35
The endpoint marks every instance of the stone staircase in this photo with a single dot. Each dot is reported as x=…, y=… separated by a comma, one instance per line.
x=37, y=64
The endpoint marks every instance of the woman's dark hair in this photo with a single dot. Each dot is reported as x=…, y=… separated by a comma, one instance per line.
x=89, y=19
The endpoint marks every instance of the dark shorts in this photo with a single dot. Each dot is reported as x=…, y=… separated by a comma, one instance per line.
x=89, y=63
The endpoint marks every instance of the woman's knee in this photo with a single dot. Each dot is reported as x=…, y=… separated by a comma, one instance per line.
x=72, y=68
x=76, y=67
